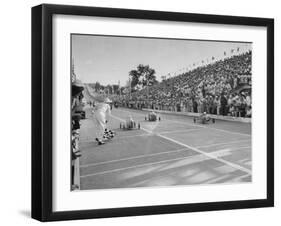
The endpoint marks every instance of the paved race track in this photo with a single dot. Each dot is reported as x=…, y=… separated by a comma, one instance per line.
x=174, y=151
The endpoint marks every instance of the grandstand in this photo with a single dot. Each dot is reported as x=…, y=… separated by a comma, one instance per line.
x=201, y=90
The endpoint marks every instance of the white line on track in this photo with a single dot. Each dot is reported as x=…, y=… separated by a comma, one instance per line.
x=139, y=135
x=218, y=153
x=137, y=166
x=226, y=143
x=200, y=157
x=122, y=120
x=210, y=155
x=177, y=131
x=200, y=126
x=149, y=131
x=133, y=157
x=229, y=150
x=216, y=179
x=206, y=127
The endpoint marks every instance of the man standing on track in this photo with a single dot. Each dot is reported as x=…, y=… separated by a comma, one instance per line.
x=101, y=112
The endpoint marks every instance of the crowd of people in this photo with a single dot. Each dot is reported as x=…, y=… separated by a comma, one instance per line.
x=77, y=113
x=222, y=87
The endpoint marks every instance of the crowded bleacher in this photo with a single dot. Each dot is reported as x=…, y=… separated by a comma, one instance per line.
x=222, y=87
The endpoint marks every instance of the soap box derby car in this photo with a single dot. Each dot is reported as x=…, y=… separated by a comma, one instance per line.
x=204, y=119
x=152, y=116
x=129, y=124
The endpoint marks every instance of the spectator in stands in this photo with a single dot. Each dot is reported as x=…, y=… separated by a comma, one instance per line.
x=242, y=105
x=249, y=112
x=216, y=105
x=232, y=110
x=248, y=99
x=223, y=103
x=201, y=89
x=195, y=105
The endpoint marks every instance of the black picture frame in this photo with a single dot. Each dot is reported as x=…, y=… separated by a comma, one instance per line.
x=42, y=107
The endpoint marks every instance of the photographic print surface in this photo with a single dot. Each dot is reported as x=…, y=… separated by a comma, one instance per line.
x=152, y=112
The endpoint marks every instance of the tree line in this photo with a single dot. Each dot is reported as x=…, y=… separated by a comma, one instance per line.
x=139, y=78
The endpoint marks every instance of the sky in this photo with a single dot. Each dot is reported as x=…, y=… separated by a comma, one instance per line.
x=108, y=59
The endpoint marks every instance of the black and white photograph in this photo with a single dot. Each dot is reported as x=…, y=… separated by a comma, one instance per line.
x=158, y=112
x=143, y=112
